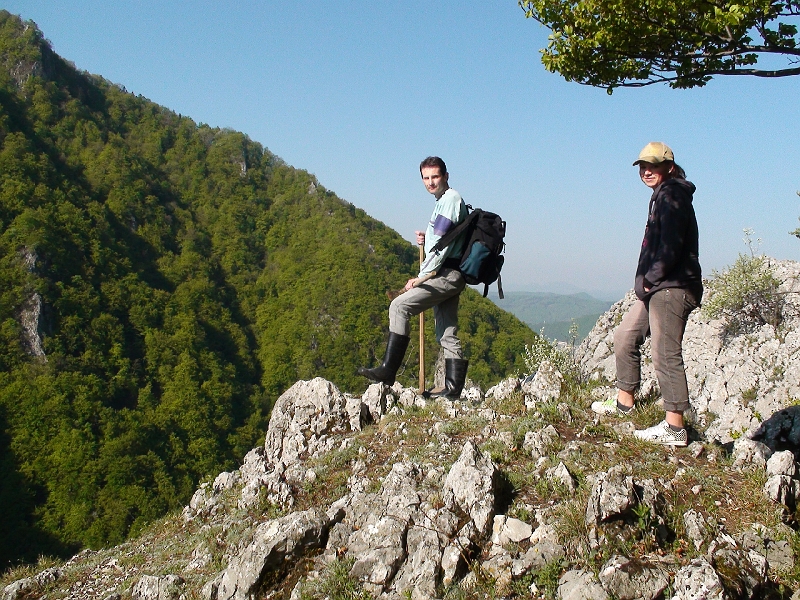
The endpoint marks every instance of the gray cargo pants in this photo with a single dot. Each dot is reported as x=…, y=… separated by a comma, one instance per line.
x=662, y=316
x=441, y=293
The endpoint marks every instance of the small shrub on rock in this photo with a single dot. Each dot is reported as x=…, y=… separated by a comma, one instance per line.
x=745, y=296
x=543, y=350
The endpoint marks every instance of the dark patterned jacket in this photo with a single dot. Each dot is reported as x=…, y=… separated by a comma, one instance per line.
x=669, y=256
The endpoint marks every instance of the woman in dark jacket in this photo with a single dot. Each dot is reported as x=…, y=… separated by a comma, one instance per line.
x=668, y=286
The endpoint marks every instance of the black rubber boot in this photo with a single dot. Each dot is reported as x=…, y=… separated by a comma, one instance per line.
x=455, y=374
x=395, y=351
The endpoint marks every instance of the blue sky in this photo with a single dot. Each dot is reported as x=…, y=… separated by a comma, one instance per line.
x=359, y=92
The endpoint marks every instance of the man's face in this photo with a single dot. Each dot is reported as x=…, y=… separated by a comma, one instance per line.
x=434, y=181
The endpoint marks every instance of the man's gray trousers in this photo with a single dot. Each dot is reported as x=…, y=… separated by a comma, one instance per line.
x=441, y=293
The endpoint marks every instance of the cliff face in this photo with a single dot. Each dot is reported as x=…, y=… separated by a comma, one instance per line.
x=736, y=381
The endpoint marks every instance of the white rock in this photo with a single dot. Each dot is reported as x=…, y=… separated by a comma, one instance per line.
x=782, y=463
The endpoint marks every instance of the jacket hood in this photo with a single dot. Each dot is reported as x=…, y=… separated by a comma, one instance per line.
x=684, y=184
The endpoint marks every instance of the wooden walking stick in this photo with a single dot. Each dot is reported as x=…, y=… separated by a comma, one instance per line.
x=421, y=334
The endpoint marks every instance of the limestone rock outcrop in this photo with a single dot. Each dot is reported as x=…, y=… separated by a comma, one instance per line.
x=418, y=526
x=735, y=381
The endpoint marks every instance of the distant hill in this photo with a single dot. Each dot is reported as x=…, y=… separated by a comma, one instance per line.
x=554, y=313
x=161, y=283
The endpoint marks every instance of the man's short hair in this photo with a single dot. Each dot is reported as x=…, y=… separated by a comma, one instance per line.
x=433, y=161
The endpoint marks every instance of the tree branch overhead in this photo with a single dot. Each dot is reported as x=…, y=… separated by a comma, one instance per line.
x=618, y=43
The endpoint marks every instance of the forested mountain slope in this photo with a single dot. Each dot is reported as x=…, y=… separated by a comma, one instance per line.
x=555, y=314
x=161, y=283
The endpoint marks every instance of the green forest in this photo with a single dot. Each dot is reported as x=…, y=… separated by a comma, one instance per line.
x=163, y=282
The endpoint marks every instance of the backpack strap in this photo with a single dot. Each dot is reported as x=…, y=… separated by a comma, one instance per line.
x=447, y=238
x=499, y=288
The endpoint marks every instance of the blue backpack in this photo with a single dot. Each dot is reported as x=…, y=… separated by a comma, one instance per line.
x=482, y=259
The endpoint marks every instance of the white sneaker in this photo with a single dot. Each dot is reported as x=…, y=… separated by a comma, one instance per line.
x=662, y=434
x=609, y=407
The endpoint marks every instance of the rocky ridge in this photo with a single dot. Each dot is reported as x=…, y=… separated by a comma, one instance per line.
x=518, y=492
x=422, y=517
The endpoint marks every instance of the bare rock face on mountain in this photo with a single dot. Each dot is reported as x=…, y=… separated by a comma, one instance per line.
x=735, y=381
x=30, y=312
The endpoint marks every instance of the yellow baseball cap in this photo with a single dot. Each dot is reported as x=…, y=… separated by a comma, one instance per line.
x=655, y=153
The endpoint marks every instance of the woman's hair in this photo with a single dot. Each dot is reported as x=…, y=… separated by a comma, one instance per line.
x=677, y=171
